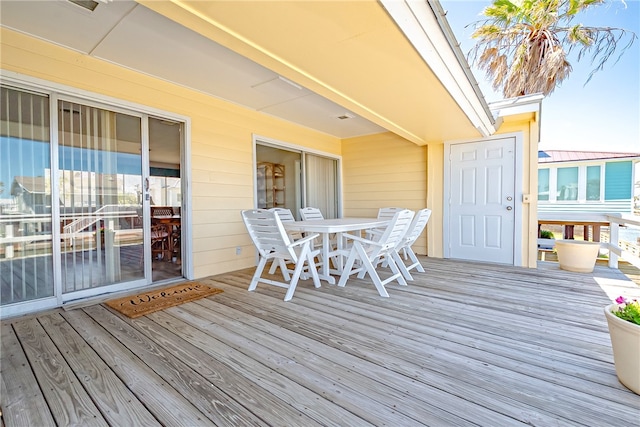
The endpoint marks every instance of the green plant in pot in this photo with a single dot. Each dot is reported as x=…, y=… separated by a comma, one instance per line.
x=623, y=319
x=546, y=234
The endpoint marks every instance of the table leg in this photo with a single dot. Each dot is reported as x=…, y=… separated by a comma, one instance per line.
x=325, y=273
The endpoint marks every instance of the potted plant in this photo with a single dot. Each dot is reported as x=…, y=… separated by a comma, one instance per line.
x=623, y=319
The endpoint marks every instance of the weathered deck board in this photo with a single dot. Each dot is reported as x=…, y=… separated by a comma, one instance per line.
x=162, y=400
x=68, y=401
x=21, y=399
x=115, y=401
x=297, y=395
x=262, y=403
x=221, y=409
x=308, y=368
x=406, y=355
x=464, y=344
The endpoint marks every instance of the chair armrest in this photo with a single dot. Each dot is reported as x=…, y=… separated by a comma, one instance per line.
x=303, y=240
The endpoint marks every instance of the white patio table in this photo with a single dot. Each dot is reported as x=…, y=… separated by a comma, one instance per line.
x=325, y=227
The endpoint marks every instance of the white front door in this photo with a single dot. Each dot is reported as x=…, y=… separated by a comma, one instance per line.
x=482, y=200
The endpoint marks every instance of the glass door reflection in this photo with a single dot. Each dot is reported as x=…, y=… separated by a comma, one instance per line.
x=100, y=170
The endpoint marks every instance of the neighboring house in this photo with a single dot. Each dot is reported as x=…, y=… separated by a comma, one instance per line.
x=31, y=195
x=585, y=181
x=362, y=105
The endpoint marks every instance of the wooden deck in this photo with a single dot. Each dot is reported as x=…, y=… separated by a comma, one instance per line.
x=465, y=344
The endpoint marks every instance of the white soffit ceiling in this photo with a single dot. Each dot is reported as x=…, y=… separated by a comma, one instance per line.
x=135, y=37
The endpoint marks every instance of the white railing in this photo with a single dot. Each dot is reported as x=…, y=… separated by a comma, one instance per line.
x=611, y=220
x=13, y=238
x=603, y=207
x=86, y=220
x=622, y=248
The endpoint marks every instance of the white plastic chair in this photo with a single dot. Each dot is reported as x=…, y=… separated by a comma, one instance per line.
x=368, y=253
x=385, y=214
x=273, y=243
x=414, y=231
x=309, y=214
x=388, y=213
x=285, y=215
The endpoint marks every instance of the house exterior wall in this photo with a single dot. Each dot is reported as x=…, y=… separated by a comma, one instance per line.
x=616, y=187
x=221, y=141
x=384, y=170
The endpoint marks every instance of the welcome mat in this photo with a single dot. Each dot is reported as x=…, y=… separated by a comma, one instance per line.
x=148, y=302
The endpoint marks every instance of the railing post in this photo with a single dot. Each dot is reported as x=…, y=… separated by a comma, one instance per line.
x=8, y=250
x=613, y=240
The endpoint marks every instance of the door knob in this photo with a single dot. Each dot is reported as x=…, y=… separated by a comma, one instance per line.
x=509, y=198
x=509, y=208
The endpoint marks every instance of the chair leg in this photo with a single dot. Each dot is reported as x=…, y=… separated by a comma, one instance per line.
x=397, y=274
x=374, y=276
x=367, y=266
x=257, y=274
x=401, y=266
x=415, y=262
x=346, y=272
x=274, y=267
x=304, y=254
x=314, y=271
x=283, y=268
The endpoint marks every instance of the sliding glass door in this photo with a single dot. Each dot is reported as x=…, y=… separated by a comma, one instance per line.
x=26, y=241
x=100, y=177
x=79, y=183
x=292, y=179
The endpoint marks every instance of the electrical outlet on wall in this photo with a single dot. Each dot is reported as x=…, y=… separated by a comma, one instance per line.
x=238, y=250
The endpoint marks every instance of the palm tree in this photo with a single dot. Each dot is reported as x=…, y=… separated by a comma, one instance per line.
x=523, y=45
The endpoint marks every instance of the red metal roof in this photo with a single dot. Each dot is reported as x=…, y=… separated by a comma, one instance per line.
x=550, y=156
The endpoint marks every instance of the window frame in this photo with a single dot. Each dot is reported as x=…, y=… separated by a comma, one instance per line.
x=582, y=182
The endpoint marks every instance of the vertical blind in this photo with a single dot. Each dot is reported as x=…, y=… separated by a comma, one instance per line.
x=26, y=267
x=322, y=184
x=100, y=177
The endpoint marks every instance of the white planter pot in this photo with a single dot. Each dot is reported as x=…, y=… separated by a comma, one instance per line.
x=625, y=341
x=577, y=255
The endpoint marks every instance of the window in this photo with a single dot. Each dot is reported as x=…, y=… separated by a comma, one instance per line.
x=567, y=187
x=593, y=182
x=543, y=184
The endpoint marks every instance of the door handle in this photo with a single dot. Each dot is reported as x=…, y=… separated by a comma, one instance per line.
x=509, y=198
x=509, y=208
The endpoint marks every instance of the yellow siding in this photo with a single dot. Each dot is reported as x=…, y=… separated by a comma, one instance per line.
x=221, y=140
x=435, y=200
x=384, y=170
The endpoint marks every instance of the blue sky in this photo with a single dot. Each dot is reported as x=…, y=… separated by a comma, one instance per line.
x=604, y=114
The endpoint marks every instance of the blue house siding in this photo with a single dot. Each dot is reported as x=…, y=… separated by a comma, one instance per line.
x=618, y=180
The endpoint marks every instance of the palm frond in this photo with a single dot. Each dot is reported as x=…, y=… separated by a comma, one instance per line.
x=523, y=45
